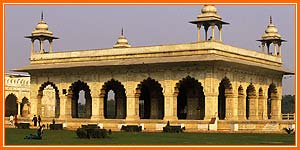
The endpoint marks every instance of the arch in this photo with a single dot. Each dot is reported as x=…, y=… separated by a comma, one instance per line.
x=225, y=87
x=86, y=109
x=250, y=92
x=11, y=105
x=151, y=99
x=240, y=90
x=25, y=107
x=45, y=109
x=260, y=92
x=190, y=99
x=272, y=94
x=119, y=102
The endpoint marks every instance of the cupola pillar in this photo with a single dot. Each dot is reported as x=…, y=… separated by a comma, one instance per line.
x=271, y=36
x=208, y=18
x=41, y=33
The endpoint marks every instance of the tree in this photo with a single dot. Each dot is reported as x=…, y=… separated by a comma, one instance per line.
x=288, y=104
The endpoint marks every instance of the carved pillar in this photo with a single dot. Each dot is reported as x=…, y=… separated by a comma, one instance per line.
x=51, y=46
x=41, y=46
x=212, y=32
x=39, y=105
x=253, y=107
x=206, y=29
x=263, y=47
x=198, y=31
x=220, y=33
x=262, y=108
x=65, y=107
x=19, y=109
x=279, y=49
x=132, y=107
x=170, y=106
x=97, y=111
x=32, y=46
x=231, y=106
x=211, y=106
x=275, y=107
x=275, y=49
x=241, y=107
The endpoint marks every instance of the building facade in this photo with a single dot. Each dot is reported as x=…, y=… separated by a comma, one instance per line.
x=186, y=84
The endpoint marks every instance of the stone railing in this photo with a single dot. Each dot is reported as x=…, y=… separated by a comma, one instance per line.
x=288, y=116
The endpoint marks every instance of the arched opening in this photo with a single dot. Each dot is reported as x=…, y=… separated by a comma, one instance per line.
x=225, y=87
x=25, y=107
x=81, y=100
x=272, y=94
x=190, y=99
x=250, y=93
x=11, y=105
x=48, y=100
x=151, y=99
x=114, y=100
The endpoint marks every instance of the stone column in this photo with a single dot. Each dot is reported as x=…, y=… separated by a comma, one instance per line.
x=132, y=107
x=262, y=105
x=32, y=46
x=97, y=111
x=231, y=106
x=51, y=46
x=275, y=49
x=198, y=31
x=41, y=46
x=65, y=107
x=39, y=105
x=206, y=29
x=263, y=47
x=211, y=106
x=275, y=107
x=241, y=107
x=220, y=32
x=212, y=32
x=19, y=109
x=279, y=49
x=253, y=107
x=170, y=106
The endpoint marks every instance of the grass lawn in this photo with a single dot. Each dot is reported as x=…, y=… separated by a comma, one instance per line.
x=66, y=137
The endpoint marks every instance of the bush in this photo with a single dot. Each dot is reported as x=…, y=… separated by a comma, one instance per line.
x=23, y=125
x=131, y=128
x=173, y=129
x=92, y=133
x=56, y=126
x=289, y=130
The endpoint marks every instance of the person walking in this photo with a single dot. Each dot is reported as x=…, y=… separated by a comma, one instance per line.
x=39, y=120
x=11, y=119
x=34, y=119
x=16, y=121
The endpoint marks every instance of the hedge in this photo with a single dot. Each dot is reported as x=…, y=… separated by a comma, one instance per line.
x=92, y=133
x=131, y=128
x=56, y=126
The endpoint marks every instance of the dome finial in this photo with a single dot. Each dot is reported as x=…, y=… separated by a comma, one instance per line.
x=122, y=32
x=270, y=19
x=42, y=16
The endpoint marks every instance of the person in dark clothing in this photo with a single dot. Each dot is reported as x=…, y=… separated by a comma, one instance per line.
x=34, y=119
x=38, y=135
x=39, y=120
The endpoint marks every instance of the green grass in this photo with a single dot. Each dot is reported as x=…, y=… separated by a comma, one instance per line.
x=66, y=137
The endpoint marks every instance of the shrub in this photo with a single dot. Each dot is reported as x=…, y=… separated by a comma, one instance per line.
x=92, y=133
x=81, y=133
x=289, y=130
x=131, y=128
x=56, y=126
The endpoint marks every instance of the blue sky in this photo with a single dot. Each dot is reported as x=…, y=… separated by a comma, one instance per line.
x=91, y=27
